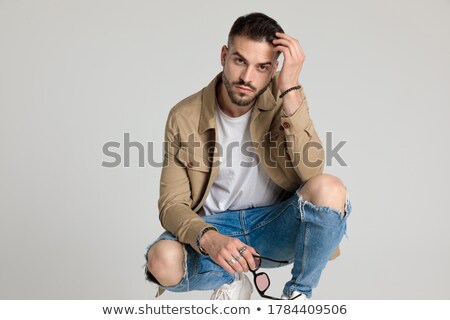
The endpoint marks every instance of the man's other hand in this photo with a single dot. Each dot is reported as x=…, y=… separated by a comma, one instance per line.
x=230, y=253
x=293, y=60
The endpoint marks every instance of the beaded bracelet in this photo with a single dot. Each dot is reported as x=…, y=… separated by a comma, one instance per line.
x=200, y=248
x=289, y=90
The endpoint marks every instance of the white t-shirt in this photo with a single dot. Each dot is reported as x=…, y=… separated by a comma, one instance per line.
x=242, y=182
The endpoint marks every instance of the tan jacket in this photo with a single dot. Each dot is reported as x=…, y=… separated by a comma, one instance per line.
x=191, y=163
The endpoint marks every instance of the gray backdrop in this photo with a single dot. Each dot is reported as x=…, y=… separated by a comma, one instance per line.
x=75, y=75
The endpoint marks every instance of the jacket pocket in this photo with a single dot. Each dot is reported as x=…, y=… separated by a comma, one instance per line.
x=192, y=160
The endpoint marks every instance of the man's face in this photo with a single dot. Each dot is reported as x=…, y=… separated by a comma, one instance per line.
x=248, y=67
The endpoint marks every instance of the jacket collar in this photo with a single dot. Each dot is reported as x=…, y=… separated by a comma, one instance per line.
x=265, y=102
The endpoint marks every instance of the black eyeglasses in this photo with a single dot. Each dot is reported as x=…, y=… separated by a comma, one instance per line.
x=261, y=279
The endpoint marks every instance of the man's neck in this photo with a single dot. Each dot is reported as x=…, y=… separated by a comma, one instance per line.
x=226, y=105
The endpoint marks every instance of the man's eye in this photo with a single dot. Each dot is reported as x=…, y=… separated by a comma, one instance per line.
x=239, y=61
x=264, y=68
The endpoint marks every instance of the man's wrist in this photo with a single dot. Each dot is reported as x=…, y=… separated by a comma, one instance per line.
x=199, y=238
x=289, y=89
x=292, y=102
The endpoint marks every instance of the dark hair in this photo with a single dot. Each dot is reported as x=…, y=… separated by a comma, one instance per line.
x=256, y=26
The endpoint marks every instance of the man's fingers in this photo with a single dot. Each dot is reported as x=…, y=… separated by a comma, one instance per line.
x=290, y=51
x=251, y=260
x=253, y=251
x=225, y=265
x=242, y=261
x=236, y=265
x=240, y=256
x=293, y=46
x=281, y=35
x=233, y=255
x=285, y=50
x=247, y=255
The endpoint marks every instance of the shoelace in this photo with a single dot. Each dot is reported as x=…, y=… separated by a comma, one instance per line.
x=222, y=293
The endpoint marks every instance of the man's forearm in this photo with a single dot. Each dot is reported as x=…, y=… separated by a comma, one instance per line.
x=291, y=102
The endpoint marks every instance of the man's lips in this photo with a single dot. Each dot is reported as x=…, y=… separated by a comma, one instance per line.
x=244, y=89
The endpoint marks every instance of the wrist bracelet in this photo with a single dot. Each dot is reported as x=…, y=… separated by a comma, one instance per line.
x=289, y=90
x=200, y=248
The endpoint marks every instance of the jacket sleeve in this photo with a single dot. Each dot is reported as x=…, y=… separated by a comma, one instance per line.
x=302, y=142
x=175, y=200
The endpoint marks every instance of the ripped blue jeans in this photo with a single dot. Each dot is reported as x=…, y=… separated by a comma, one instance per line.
x=294, y=230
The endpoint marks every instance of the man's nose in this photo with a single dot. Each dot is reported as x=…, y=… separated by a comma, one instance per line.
x=247, y=75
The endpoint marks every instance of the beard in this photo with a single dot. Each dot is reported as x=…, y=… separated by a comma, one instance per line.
x=240, y=99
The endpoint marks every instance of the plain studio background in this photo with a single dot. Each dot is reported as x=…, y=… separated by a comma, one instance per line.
x=75, y=75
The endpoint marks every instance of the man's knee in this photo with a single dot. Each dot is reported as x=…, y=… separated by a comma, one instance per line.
x=166, y=262
x=325, y=190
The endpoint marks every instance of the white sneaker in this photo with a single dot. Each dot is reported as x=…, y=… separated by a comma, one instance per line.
x=296, y=295
x=240, y=289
